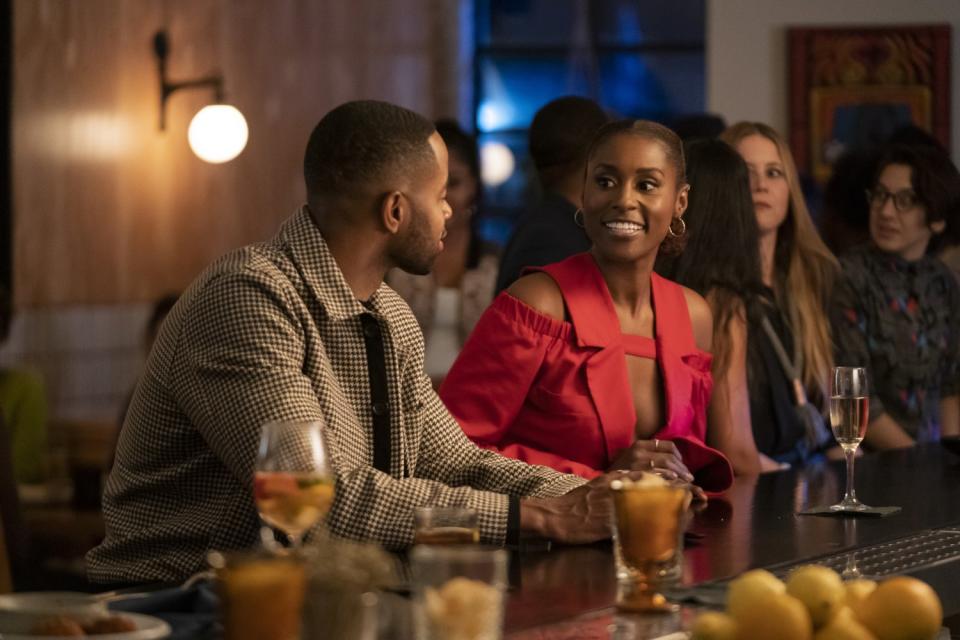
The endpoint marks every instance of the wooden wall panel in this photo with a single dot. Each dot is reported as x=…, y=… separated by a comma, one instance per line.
x=108, y=209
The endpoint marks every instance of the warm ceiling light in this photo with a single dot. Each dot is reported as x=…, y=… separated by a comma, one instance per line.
x=218, y=132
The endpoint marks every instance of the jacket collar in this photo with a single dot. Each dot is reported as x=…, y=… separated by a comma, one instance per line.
x=302, y=240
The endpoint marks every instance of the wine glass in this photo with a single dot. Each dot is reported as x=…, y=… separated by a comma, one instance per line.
x=293, y=482
x=849, y=414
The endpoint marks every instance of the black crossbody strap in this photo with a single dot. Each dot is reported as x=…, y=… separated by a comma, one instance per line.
x=792, y=372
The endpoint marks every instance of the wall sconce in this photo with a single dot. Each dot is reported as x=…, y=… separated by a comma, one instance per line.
x=218, y=132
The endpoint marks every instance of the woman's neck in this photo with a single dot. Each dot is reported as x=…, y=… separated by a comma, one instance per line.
x=628, y=283
x=768, y=256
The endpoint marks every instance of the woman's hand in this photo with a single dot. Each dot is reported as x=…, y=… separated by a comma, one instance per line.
x=657, y=456
x=769, y=465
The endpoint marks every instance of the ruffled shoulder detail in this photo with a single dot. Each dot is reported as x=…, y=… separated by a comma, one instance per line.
x=517, y=312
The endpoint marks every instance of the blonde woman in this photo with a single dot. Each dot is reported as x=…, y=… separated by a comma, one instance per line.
x=790, y=339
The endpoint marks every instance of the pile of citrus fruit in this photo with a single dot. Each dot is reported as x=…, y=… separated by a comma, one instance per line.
x=815, y=604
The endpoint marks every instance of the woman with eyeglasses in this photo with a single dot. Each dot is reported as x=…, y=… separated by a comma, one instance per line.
x=896, y=307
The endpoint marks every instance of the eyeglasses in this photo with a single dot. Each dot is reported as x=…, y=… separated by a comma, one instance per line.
x=902, y=200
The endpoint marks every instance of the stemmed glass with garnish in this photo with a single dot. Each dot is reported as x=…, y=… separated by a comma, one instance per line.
x=293, y=481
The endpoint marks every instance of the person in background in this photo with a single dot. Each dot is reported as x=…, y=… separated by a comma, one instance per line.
x=449, y=300
x=896, y=307
x=845, y=220
x=721, y=261
x=596, y=363
x=699, y=126
x=303, y=328
x=559, y=137
x=797, y=271
x=24, y=405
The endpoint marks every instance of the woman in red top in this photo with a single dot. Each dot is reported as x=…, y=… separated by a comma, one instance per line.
x=596, y=363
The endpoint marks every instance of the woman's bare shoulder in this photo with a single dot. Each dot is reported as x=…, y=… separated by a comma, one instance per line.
x=541, y=292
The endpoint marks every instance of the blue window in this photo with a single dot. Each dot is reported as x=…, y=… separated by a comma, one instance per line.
x=637, y=58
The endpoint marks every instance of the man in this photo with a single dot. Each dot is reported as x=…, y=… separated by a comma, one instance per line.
x=303, y=328
x=560, y=136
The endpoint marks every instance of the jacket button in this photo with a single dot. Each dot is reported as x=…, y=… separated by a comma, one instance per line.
x=379, y=408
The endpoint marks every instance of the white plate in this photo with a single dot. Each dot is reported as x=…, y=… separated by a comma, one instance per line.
x=148, y=628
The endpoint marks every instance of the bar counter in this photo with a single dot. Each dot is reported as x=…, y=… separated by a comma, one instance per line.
x=569, y=592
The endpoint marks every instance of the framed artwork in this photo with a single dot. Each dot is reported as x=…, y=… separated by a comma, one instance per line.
x=853, y=87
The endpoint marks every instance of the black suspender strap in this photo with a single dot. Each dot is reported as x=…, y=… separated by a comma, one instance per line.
x=379, y=394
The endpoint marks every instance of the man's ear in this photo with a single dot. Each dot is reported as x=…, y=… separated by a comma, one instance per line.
x=938, y=227
x=393, y=211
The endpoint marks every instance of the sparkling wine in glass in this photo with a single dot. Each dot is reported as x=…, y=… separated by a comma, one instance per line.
x=293, y=483
x=849, y=414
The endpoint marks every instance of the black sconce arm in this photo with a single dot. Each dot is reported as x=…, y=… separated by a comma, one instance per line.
x=161, y=48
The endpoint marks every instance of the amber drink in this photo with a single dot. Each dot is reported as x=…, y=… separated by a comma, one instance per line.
x=649, y=517
x=261, y=597
x=445, y=526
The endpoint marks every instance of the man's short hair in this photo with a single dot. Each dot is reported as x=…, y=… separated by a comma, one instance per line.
x=562, y=130
x=361, y=143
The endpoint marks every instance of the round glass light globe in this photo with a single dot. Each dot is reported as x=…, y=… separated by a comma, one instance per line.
x=496, y=163
x=218, y=133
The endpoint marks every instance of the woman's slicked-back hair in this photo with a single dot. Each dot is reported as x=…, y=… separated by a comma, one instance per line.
x=645, y=129
x=805, y=268
x=360, y=143
x=722, y=256
x=936, y=182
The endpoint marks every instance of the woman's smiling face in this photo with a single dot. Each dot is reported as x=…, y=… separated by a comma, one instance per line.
x=631, y=196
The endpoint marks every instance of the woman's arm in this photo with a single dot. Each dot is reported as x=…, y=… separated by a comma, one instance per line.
x=883, y=432
x=950, y=416
x=729, y=427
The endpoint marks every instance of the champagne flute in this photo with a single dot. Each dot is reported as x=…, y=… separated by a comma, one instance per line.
x=849, y=414
x=293, y=482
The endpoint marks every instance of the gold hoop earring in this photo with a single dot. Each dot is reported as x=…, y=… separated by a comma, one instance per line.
x=578, y=218
x=683, y=227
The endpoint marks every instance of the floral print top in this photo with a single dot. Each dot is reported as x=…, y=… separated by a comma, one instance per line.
x=901, y=320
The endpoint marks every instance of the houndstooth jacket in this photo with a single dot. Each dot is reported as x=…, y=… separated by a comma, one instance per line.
x=272, y=331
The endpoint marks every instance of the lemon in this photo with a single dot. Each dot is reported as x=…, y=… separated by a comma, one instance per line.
x=844, y=626
x=902, y=608
x=773, y=615
x=857, y=592
x=713, y=625
x=744, y=590
x=820, y=589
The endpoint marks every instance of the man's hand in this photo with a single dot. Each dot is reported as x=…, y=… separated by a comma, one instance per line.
x=652, y=455
x=580, y=516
